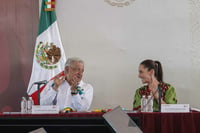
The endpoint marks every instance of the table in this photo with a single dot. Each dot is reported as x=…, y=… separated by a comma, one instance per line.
x=157, y=122
x=88, y=122
x=170, y=122
x=92, y=122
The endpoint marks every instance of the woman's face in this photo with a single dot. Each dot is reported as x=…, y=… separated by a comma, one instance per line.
x=144, y=74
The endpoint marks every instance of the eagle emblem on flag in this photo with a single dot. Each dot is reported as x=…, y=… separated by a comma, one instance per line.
x=47, y=55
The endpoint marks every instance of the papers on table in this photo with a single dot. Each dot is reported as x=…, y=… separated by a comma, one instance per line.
x=195, y=109
x=175, y=108
x=45, y=109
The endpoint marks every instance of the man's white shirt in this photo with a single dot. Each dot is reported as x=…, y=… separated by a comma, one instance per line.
x=64, y=98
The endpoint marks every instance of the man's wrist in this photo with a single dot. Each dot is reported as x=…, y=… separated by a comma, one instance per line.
x=54, y=86
x=74, y=91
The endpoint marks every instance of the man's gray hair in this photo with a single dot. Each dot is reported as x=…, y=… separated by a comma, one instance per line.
x=73, y=59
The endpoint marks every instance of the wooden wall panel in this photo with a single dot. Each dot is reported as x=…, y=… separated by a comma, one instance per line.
x=18, y=30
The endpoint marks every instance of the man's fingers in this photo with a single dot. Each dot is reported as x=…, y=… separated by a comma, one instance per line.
x=62, y=78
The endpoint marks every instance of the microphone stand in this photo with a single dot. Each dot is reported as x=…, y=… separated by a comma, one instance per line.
x=38, y=88
x=160, y=96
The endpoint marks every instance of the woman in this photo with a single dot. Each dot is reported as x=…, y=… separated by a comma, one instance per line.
x=151, y=74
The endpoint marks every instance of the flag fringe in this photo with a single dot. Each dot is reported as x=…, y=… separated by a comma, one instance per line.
x=50, y=3
x=49, y=9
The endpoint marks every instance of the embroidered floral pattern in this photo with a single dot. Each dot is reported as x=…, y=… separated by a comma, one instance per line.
x=146, y=91
x=168, y=95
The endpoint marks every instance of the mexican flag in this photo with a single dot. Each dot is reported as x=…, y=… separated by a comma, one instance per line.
x=49, y=56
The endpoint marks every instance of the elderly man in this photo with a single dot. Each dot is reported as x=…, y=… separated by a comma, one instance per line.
x=69, y=91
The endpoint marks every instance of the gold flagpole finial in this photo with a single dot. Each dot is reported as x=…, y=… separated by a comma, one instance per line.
x=50, y=5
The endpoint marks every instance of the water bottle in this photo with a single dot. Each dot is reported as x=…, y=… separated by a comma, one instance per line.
x=23, y=105
x=150, y=104
x=143, y=103
x=30, y=103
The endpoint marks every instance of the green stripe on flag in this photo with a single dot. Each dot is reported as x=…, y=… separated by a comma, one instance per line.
x=46, y=18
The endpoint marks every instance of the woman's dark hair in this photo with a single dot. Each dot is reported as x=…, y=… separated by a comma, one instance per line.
x=156, y=66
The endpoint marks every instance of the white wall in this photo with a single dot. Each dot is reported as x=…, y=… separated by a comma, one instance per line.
x=114, y=40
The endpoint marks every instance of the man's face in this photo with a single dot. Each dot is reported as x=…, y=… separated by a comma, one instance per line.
x=75, y=71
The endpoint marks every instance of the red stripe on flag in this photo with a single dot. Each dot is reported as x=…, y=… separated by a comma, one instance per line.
x=59, y=74
x=35, y=95
x=53, y=3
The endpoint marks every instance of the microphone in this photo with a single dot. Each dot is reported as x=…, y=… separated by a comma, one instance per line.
x=160, y=96
x=38, y=83
x=41, y=82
